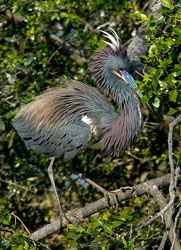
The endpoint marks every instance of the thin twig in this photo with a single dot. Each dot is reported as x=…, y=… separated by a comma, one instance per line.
x=16, y=185
x=133, y=156
x=15, y=216
x=25, y=227
x=163, y=241
x=159, y=214
x=172, y=188
x=6, y=230
x=175, y=226
x=54, y=53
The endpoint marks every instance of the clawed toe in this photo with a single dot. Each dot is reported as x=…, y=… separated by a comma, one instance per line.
x=69, y=218
x=74, y=219
x=124, y=189
x=112, y=199
x=111, y=196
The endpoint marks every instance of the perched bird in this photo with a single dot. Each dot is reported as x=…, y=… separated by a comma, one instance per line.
x=64, y=120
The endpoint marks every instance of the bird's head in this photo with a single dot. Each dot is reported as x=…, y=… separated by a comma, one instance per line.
x=110, y=66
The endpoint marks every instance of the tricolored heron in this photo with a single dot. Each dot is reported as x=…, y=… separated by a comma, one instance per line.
x=64, y=120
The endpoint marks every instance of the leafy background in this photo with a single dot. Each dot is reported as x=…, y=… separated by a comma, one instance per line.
x=36, y=55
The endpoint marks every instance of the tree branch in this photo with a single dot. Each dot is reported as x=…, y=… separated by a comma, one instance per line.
x=167, y=210
x=75, y=216
x=175, y=173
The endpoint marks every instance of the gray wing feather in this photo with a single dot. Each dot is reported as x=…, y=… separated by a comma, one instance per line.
x=65, y=141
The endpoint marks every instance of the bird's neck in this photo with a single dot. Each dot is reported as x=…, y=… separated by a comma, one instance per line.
x=120, y=134
x=120, y=92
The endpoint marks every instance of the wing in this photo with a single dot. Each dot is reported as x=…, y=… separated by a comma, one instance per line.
x=65, y=141
x=53, y=123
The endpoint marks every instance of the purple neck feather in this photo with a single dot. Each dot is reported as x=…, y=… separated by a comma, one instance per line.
x=120, y=134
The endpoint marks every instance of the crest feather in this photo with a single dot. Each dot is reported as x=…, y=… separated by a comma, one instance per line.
x=113, y=38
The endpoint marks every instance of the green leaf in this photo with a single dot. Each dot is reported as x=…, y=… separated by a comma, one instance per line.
x=143, y=17
x=108, y=230
x=156, y=102
x=122, y=218
x=171, y=111
x=70, y=226
x=124, y=242
x=95, y=224
x=167, y=4
x=144, y=99
x=20, y=247
x=106, y=216
x=152, y=50
x=178, y=15
x=80, y=229
x=138, y=202
x=2, y=126
x=5, y=218
x=70, y=236
x=173, y=95
x=26, y=246
x=116, y=224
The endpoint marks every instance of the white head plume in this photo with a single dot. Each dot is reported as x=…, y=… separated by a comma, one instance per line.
x=114, y=39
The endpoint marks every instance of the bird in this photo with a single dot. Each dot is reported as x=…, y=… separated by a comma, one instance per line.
x=64, y=120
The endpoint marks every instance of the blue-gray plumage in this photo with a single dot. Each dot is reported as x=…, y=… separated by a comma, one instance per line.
x=64, y=120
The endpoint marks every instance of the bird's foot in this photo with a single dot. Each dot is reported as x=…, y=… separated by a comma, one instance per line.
x=62, y=217
x=74, y=219
x=67, y=218
x=111, y=196
x=112, y=199
x=124, y=189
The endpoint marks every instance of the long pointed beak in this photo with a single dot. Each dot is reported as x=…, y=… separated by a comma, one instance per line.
x=130, y=80
x=127, y=78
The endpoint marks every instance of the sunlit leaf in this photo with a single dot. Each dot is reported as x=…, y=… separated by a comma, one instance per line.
x=156, y=102
x=173, y=95
x=167, y=3
x=143, y=17
x=70, y=226
x=108, y=229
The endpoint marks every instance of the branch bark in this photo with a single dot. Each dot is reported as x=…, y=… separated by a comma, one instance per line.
x=76, y=216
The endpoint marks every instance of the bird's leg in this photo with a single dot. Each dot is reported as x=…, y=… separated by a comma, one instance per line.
x=50, y=174
x=109, y=195
x=61, y=213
